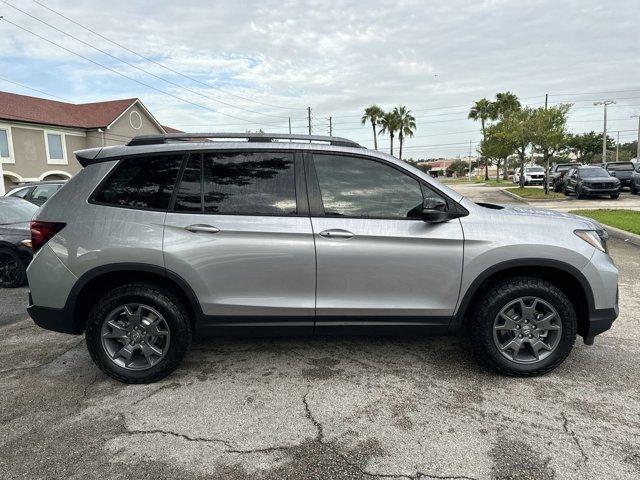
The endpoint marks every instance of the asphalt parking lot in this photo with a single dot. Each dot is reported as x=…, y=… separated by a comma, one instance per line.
x=321, y=408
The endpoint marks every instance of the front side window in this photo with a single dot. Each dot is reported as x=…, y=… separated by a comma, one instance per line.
x=357, y=187
x=4, y=144
x=142, y=182
x=54, y=144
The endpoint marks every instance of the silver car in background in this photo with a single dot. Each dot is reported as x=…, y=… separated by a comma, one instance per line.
x=255, y=234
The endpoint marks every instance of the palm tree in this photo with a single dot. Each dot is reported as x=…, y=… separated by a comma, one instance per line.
x=505, y=102
x=406, y=124
x=389, y=124
x=373, y=114
x=483, y=110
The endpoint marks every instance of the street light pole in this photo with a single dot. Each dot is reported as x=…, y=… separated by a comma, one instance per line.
x=638, y=145
x=469, y=160
x=604, y=133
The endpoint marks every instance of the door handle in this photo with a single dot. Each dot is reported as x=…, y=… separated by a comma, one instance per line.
x=336, y=233
x=200, y=228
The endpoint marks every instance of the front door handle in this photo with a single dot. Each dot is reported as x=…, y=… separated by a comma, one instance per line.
x=336, y=233
x=201, y=228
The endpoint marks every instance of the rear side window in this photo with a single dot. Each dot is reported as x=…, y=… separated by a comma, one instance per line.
x=620, y=167
x=142, y=182
x=239, y=183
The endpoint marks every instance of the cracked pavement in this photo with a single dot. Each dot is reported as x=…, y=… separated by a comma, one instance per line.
x=318, y=408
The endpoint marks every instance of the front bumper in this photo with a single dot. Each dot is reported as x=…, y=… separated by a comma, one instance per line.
x=600, y=191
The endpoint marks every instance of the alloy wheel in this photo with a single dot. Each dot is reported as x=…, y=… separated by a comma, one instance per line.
x=9, y=269
x=527, y=330
x=135, y=336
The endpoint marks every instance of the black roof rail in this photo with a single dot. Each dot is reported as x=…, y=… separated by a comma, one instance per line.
x=250, y=137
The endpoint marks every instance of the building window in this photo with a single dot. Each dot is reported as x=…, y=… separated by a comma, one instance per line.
x=5, y=145
x=55, y=148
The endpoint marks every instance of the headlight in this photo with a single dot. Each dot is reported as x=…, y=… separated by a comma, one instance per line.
x=595, y=238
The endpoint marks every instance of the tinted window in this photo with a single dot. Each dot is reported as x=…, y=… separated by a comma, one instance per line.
x=593, y=172
x=620, y=167
x=15, y=212
x=20, y=193
x=356, y=187
x=249, y=183
x=142, y=182
x=189, y=198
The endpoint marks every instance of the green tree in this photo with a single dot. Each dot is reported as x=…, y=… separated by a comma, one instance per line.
x=586, y=145
x=389, y=124
x=549, y=132
x=515, y=130
x=406, y=125
x=459, y=167
x=505, y=102
x=483, y=110
x=495, y=148
x=373, y=114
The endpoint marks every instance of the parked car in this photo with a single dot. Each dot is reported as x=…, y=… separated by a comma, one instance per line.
x=312, y=235
x=556, y=174
x=635, y=179
x=621, y=170
x=36, y=192
x=15, y=240
x=532, y=176
x=589, y=181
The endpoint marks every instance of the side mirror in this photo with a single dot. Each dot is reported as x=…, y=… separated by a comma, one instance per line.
x=434, y=210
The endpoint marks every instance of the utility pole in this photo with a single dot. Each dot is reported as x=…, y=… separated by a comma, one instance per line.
x=309, y=118
x=618, y=146
x=330, y=127
x=469, y=160
x=289, y=125
x=546, y=100
x=546, y=154
x=604, y=133
x=638, y=145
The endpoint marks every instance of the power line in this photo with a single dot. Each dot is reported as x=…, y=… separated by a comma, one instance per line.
x=35, y=89
x=126, y=76
x=137, y=67
x=161, y=64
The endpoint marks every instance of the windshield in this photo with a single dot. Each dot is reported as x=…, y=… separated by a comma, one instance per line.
x=534, y=169
x=620, y=167
x=594, y=172
x=16, y=212
x=563, y=168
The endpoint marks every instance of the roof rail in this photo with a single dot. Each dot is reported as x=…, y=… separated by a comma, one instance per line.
x=250, y=137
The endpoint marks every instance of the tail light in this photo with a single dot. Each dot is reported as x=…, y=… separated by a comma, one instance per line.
x=42, y=232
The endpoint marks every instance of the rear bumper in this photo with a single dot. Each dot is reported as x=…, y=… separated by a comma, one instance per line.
x=55, y=319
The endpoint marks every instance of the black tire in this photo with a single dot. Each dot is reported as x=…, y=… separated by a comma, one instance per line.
x=633, y=189
x=564, y=190
x=579, y=194
x=615, y=196
x=175, y=314
x=13, y=272
x=481, y=323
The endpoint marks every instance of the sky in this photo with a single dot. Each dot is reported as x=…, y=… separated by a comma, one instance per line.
x=249, y=65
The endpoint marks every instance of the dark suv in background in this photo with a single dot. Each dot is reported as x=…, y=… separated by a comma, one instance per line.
x=620, y=170
x=589, y=181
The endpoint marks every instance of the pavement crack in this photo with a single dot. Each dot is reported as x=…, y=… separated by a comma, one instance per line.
x=576, y=440
x=44, y=364
x=179, y=435
x=316, y=423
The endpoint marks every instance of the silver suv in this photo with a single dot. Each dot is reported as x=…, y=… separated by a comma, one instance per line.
x=180, y=234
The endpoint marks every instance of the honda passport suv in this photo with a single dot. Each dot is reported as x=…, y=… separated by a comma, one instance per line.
x=217, y=234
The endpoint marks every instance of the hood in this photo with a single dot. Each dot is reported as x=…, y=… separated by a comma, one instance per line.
x=523, y=214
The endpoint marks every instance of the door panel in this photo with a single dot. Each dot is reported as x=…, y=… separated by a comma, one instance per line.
x=388, y=268
x=254, y=269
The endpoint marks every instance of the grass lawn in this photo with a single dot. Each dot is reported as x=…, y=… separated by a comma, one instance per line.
x=533, y=193
x=501, y=183
x=628, y=220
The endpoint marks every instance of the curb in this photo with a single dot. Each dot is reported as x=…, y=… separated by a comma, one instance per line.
x=534, y=200
x=623, y=235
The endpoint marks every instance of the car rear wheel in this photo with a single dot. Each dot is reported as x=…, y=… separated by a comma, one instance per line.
x=615, y=195
x=524, y=326
x=13, y=272
x=138, y=333
x=633, y=188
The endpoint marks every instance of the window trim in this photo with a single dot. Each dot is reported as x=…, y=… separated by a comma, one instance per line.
x=56, y=161
x=11, y=159
x=302, y=206
x=315, y=194
x=92, y=198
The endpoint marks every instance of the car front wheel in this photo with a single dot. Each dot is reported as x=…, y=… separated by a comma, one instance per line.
x=138, y=333
x=615, y=196
x=524, y=326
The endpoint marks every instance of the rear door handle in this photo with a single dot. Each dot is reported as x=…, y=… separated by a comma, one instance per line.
x=336, y=233
x=201, y=228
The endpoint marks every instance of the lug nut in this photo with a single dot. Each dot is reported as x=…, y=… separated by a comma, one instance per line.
x=530, y=336
x=520, y=335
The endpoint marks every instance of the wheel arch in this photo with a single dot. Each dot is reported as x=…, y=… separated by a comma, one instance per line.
x=563, y=275
x=92, y=284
